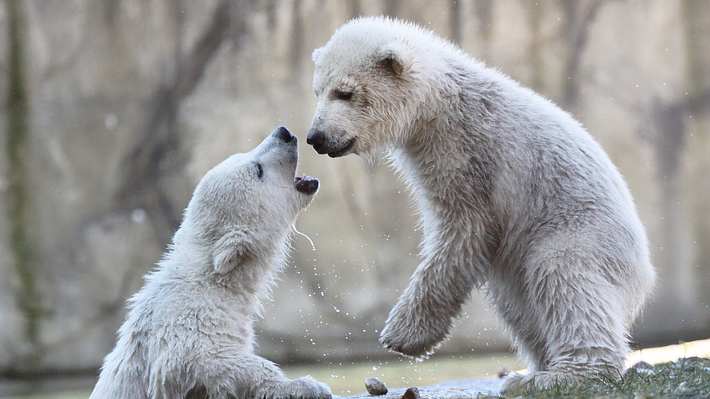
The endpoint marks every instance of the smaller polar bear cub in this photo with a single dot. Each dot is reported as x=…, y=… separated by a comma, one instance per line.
x=189, y=332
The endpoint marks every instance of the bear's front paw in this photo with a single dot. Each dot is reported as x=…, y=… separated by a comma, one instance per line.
x=409, y=337
x=306, y=388
x=300, y=388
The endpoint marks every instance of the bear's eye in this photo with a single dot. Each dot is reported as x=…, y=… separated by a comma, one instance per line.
x=342, y=95
x=259, y=170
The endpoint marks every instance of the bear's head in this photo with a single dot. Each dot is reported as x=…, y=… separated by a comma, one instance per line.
x=366, y=83
x=242, y=208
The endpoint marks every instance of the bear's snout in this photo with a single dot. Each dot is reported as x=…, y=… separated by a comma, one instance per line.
x=317, y=139
x=320, y=142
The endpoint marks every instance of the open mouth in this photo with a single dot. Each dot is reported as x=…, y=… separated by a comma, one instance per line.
x=306, y=184
x=344, y=150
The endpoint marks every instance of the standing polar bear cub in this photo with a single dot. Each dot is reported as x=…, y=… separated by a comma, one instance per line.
x=189, y=330
x=515, y=196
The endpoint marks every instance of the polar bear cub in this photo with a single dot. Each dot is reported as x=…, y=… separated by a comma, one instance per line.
x=515, y=197
x=189, y=331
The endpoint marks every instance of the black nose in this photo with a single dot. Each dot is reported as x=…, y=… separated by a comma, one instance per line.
x=283, y=134
x=316, y=138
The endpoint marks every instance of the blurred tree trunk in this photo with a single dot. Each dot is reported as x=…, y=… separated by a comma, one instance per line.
x=669, y=142
x=178, y=28
x=115, y=55
x=578, y=18
x=696, y=14
x=19, y=204
x=270, y=8
x=534, y=18
x=354, y=8
x=178, y=19
x=157, y=152
x=296, y=48
x=455, y=21
x=483, y=14
x=673, y=120
x=391, y=8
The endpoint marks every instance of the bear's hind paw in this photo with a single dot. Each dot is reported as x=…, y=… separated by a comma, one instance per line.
x=521, y=384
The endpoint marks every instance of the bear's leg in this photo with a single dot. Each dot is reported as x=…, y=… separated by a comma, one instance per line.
x=575, y=319
x=511, y=303
x=243, y=375
x=424, y=314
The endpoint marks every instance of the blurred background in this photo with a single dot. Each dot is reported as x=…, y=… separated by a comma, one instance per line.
x=112, y=110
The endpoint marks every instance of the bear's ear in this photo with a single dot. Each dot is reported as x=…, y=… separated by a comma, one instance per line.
x=393, y=58
x=228, y=253
x=316, y=54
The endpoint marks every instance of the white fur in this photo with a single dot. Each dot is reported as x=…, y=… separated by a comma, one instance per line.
x=189, y=329
x=515, y=196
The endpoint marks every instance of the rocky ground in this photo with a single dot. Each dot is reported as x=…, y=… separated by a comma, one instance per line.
x=684, y=378
x=681, y=378
x=447, y=390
